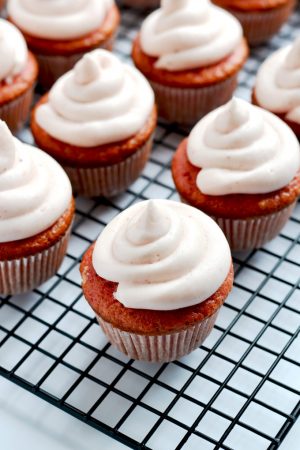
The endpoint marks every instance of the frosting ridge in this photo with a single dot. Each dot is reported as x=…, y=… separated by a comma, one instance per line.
x=242, y=149
x=278, y=82
x=13, y=51
x=164, y=255
x=29, y=200
x=188, y=34
x=58, y=19
x=99, y=102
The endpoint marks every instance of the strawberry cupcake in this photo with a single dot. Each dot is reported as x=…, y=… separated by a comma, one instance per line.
x=60, y=32
x=191, y=52
x=277, y=86
x=261, y=19
x=98, y=121
x=156, y=278
x=36, y=215
x=18, y=74
x=241, y=166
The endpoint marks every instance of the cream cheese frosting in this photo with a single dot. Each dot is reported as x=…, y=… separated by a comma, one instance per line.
x=278, y=82
x=34, y=189
x=243, y=149
x=58, y=19
x=100, y=101
x=188, y=34
x=164, y=256
x=13, y=51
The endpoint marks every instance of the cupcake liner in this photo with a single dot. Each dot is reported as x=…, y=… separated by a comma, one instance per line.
x=109, y=180
x=254, y=233
x=141, y=3
x=15, y=113
x=161, y=348
x=52, y=67
x=261, y=26
x=24, y=274
x=187, y=105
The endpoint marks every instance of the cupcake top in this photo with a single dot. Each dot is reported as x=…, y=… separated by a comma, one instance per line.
x=58, y=19
x=277, y=85
x=189, y=34
x=164, y=256
x=13, y=51
x=34, y=189
x=100, y=101
x=243, y=149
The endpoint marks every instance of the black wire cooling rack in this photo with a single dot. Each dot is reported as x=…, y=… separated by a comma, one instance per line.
x=239, y=391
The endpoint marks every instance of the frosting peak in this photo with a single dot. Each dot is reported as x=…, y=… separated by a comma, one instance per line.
x=234, y=115
x=13, y=51
x=292, y=60
x=29, y=200
x=86, y=70
x=58, y=19
x=277, y=86
x=188, y=34
x=164, y=256
x=169, y=6
x=99, y=102
x=149, y=226
x=242, y=149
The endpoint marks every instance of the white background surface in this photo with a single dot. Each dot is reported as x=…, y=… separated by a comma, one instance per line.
x=48, y=428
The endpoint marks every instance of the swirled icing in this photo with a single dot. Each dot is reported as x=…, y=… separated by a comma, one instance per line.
x=99, y=102
x=278, y=82
x=58, y=19
x=164, y=256
x=34, y=189
x=188, y=34
x=243, y=149
x=13, y=51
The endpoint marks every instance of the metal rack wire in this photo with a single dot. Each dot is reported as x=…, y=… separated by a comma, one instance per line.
x=239, y=390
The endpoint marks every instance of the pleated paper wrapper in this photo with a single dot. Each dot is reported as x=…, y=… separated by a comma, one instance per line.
x=161, y=348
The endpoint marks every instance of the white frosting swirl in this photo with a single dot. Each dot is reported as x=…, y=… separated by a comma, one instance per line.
x=188, y=34
x=164, y=255
x=243, y=149
x=13, y=51
x=99, y=102
x=278, y=82
x=58, y=19
x=34, y=189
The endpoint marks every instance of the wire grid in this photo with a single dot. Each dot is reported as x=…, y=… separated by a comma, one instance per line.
x=240, y=390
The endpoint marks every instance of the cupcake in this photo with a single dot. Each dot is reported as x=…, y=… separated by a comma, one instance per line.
x=156, y=279
x=59, y=33
x=36, y=215
x=277, y=86
x=18, y=74
x=240, y=165
x=261, y=19
x=191, y=52
x=141, y=4
x=98, y=121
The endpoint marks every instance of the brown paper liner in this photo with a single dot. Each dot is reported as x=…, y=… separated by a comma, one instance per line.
x=52, y=67
x=254, y=233
x=24, y=274
x=16, y=112
x=109, y=180
x=188, y=105
x=261, y=26
x=164, y=348
x=2, y=5
x=141, y=3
